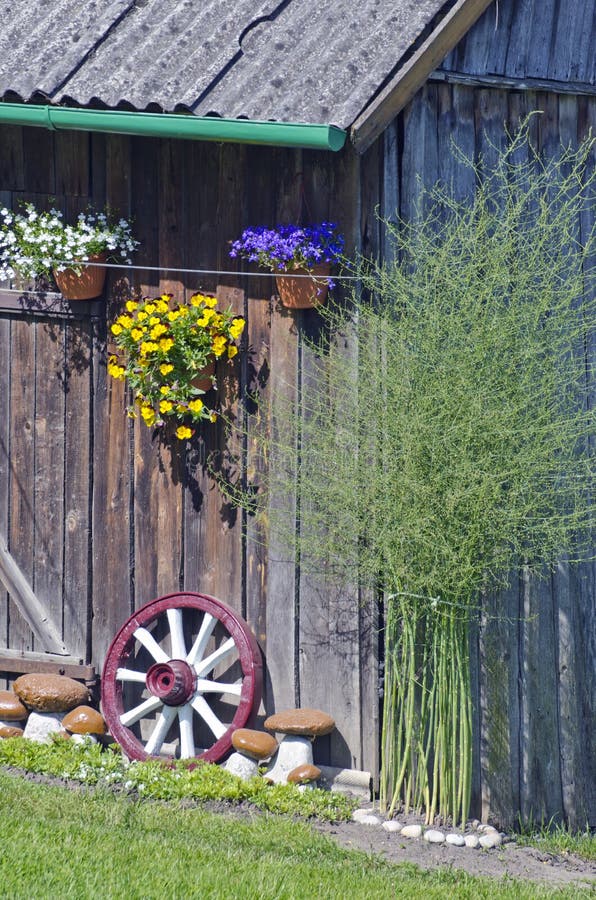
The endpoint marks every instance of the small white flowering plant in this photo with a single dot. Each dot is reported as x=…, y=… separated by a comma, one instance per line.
x=34, y=243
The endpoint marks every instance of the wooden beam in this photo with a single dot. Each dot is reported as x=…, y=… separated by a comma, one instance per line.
x=31, y=303
x=414, y=72
x=25, y=662
x=31, y=607
x=506, y=82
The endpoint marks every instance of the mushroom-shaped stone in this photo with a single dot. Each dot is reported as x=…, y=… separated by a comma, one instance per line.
x=299, y=727
x=50, y=693
x=11, y=708
x=304, y=775
x=250, y=747
x=84, y=720
x=8, y=731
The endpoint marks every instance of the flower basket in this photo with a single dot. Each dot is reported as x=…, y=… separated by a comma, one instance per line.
x=304, y=293
x=204, y=381
x=84, y=282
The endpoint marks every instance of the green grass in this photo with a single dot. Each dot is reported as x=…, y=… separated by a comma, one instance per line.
x=559, y=839
x=62, y=844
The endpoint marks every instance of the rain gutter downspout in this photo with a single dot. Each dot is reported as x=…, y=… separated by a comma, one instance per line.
x=174, y=125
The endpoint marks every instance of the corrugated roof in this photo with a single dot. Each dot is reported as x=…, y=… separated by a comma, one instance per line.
x=290, y=60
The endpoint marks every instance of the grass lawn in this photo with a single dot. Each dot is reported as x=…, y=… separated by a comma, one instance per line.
x=62, y=844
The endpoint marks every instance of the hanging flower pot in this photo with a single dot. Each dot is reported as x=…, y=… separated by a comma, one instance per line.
x=204, y=380
x=82, y=282
x=304, y=293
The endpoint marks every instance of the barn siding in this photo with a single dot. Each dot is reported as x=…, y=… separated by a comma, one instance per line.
x=139, y=518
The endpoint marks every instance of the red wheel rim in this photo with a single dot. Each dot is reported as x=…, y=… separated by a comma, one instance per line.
x=174, y=688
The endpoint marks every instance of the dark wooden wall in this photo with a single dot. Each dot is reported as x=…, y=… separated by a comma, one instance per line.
x=102, y=517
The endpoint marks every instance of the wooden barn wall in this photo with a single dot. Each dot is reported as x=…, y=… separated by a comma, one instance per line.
x=534, y=651
x=99, y=514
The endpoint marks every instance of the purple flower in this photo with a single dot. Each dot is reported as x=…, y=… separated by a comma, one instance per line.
x=289, y=246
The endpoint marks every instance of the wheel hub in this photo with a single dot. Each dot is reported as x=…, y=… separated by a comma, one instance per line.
x=174, y=682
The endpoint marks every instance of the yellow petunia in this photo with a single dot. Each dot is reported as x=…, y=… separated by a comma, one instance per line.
x=236, y=328
x=165, y=406
x=232, y=351
x=183, y=432
x=218, y=345
x=166, y=344
x=166, y=368
x=196, y=406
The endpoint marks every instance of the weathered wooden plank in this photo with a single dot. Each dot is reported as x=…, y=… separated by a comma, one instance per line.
x=38, y=161
x=48, y=474
x=35, y=612
x=12, y=172
x=72, y=151
x=145, y=210
x=78, y=474
x=419, y=164
x=27, y=304
x=22, y=460
x=200, y=212
x=5, y=470
x=28, y=662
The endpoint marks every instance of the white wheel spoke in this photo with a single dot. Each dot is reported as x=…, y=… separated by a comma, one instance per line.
x=202, y=708
x=130, y=675
x=187, y=744
x=198, y=648
x=218, y=656
x=204, y=686
x=145, y=638
x=177, y=633
x=158, y=735
x=143, y=709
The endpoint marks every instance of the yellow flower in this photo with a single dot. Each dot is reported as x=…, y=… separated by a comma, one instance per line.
x=181, y=409
x=236, y=328
x=154, y=320
x=150, y=308
x=183, y=433
x=165, y=406
x=166, y=344
x=196, y=406
x=131, y=305
x=210, y=301
x=148, y=347
x=148, y=414
x=136, y=334
x=116, y=328
x=196, y=300
x=115, y=370
x=125, y=321
x=183, y=310
x=213, y=417
x=158, y=330
x=232, y=351
x=141, y=316
x=161, y=306
x=218, y=345
x=164, y=389
x=173, y=315
x=166, y=368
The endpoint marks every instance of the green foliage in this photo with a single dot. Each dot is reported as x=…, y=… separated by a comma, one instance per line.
x=556, y=837
x=446, y=437
x=101, y=845
x=182, y=780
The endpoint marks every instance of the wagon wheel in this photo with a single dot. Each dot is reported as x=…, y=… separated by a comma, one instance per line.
x=182, y=674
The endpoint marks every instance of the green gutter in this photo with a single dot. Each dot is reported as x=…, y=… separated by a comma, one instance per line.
x=178, y=125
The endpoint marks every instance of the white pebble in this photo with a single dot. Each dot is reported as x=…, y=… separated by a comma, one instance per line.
x=392, y=826
x=471, y=840
x=412, y=831
x=369, y=820
x=433, y=836
x=457, y=840
x=359, y=814
x=475, y=823
x=490, y=840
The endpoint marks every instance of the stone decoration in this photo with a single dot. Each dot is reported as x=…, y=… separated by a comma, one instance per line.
x=472, y=841
x=257, y=744
x=456, y=840
x=11, y=708
x=50, y=693
x=244, y=767
x=299, y=727
x=490, y=839
x=411, y=831
x=433, y=836
x=42, y=725
x=392, y=826
x=304, y=774
x=84, y=720
x=9, y=731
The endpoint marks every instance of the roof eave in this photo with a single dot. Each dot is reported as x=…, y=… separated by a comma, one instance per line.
x=410, y=77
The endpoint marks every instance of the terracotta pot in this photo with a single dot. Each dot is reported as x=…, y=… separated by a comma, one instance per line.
x=87, y=285
x=203, y=380
x=303, y=293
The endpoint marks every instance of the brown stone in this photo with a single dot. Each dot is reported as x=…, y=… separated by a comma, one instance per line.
x=50, y=693
x=304, y=773
x=257, y=744
x=11, y=708
x=8, y=731
x=84, y=720
x=308, y=722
